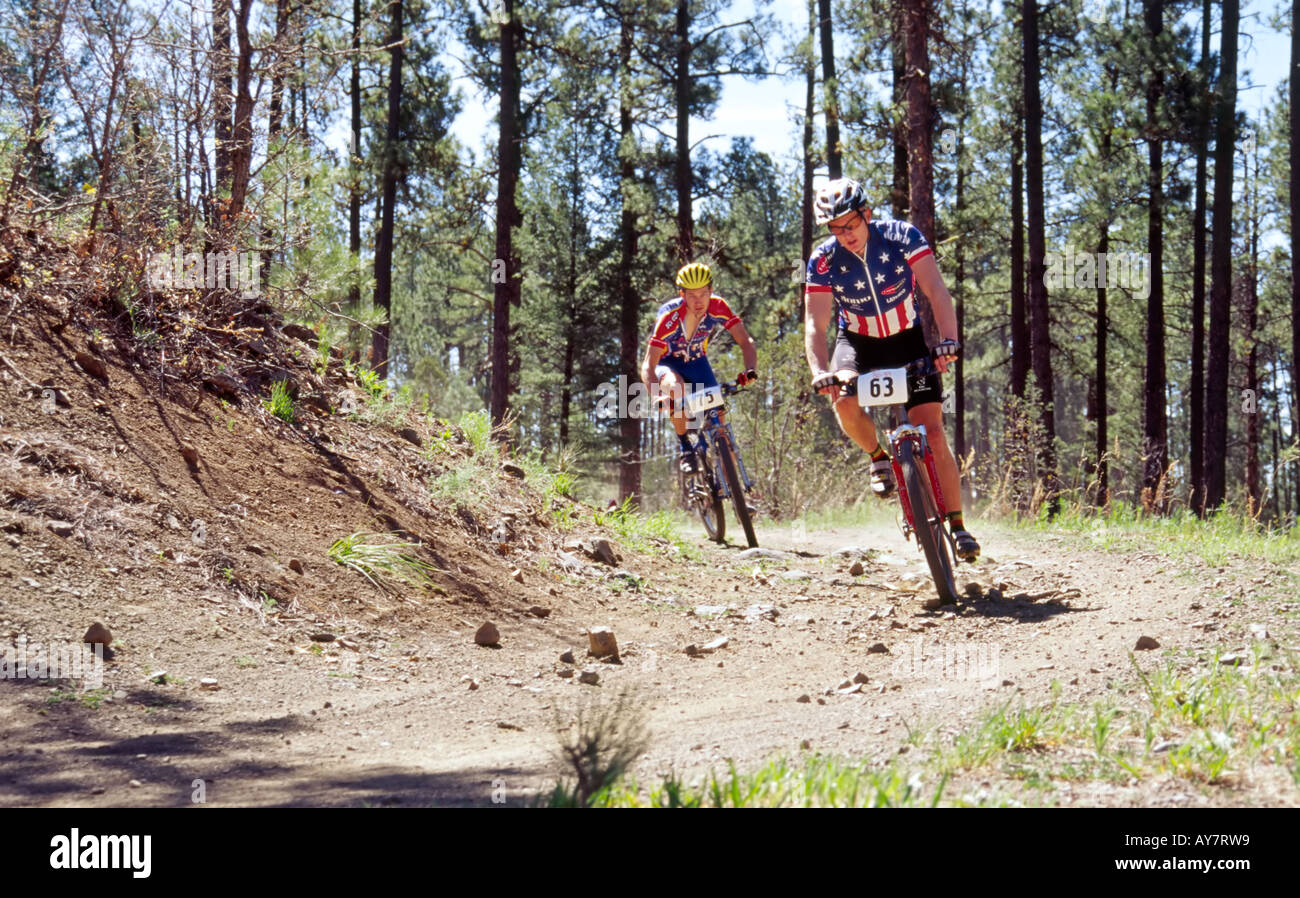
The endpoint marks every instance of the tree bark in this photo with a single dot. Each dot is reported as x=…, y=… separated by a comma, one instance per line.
x=809, y=159
x=241, y=134
x=682, y=166
x=1019, y=319
x=222, y=102
x=1103, y=328
x=1196, y=424
x=920, y=113
x=629, y=480
x=354, y=159
x=898, y=192
x=1040, y=336
x=1216, y=393
x=507, y=290
x=388, y=196
x=1155, y=425
x=1294, y=180
x=829, y=90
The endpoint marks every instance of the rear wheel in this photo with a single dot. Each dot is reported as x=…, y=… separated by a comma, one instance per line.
x=700, y=497
x=728, y=459
x=927, y=524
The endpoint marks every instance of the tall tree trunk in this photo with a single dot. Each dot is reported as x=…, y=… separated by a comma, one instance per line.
x=629, y=479
x=1196, y=435
x=1103, y=330
x=898, y=191
x=829, y=90
x=959, y=252
x=809, y=160
x=506, y=292
x=1216, y=375
x=1251, y=409
x=920, y=113
x=682, y=164
x=354, y=164
x=1155, y=426
x=1294, y=180
x=275, y=115
x=222, y=102
x=1019, y=318
x=388, y=197
x=1040, y=330
x=241, y=134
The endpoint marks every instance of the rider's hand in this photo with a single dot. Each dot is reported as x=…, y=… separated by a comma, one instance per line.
x=945, y=353
x=827, y=384
x=746, y=377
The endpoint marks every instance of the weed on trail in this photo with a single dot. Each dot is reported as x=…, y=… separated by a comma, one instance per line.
x=384, y=564
x=598, y=743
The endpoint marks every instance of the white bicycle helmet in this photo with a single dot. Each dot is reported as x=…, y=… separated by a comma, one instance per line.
x=836, y=198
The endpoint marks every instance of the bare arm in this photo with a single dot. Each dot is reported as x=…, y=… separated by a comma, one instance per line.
x=746, y=343
x=816, y=317
x=652, y=356
x=931, y=283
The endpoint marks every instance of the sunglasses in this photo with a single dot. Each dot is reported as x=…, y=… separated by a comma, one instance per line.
x=838, y=230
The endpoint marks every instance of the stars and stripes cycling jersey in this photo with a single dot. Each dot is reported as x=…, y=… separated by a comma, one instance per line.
x=670, y=328
x=875, y=294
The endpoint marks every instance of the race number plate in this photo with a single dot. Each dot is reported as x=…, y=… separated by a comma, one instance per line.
x=887, y=386
x=702, y=400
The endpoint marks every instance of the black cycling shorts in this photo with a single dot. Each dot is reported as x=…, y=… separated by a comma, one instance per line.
x=859, y=353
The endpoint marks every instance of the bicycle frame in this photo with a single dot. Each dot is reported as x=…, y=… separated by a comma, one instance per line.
x=915, y=433
x=715, y=435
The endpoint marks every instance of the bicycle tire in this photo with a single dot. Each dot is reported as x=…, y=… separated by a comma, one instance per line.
x=729, y=471
x=926, y=522
x=709, y=508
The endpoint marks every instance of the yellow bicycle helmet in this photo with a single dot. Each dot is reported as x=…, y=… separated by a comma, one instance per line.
x=696, y=274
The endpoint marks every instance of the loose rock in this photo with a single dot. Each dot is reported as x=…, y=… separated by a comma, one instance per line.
x=190, y=454
x=795, y=575
x=860, y=677
x=517, y=575
x=91, y=365
x=539, y=611
x=488, y=635
x=60, y=528
x=857, y=570
x=1146, y=642
x=295, y=565
x=602, y=551
x=98, y=634
x=750, y=554
x=877, y=648
x=567, y=658
x=209, y=683
x=323, y=637
x=601, y=643
x=514, y=470
x=804, y=699
x=590, y=677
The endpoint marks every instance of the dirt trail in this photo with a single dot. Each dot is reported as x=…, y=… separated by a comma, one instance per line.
x=397, y=722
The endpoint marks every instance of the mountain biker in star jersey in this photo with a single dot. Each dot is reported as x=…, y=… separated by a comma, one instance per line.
x=675, y=354
x=868, y=272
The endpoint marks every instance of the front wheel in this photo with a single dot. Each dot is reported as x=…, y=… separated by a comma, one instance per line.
x=700, y=497
x=927, y=523
x=729, y=471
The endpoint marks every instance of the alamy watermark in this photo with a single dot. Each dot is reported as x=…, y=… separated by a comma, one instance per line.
x=56, y=661
x=178, y=270
x=633, y=399
x=1129, y=270
x=948, y=661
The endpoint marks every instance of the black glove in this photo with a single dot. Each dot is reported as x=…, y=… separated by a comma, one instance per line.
x=947, y=348
x=823, y=382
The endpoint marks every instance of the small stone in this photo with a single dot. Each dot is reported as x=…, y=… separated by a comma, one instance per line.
x=877, y=648
x=98, y=634
x=859, y=552
x=860, y=677
x=775, y=554
x=1146, y=642
x=190, y=454
x=567, y=658
x=795, y=575
x=1163, y=745
x=844, y=684
x=565, y=672
x=539, y=611
x=517, y=575
x=602, y=551
x=590, y=677
x=806, y=744
x=601, y=643
x=91, y=365
x=473, y=683
x=136, y=784
x=60, y=528
x=714, y=645
x=804, y=699
x=323, y=637
x=209, y=683
x=158, y=676
x=295, y=565
x=1008, y=683
x=1234, y=658
x=856, y=569
x=488, y=635
x=514, y=470
x=1258, y=631
x=411, y=436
